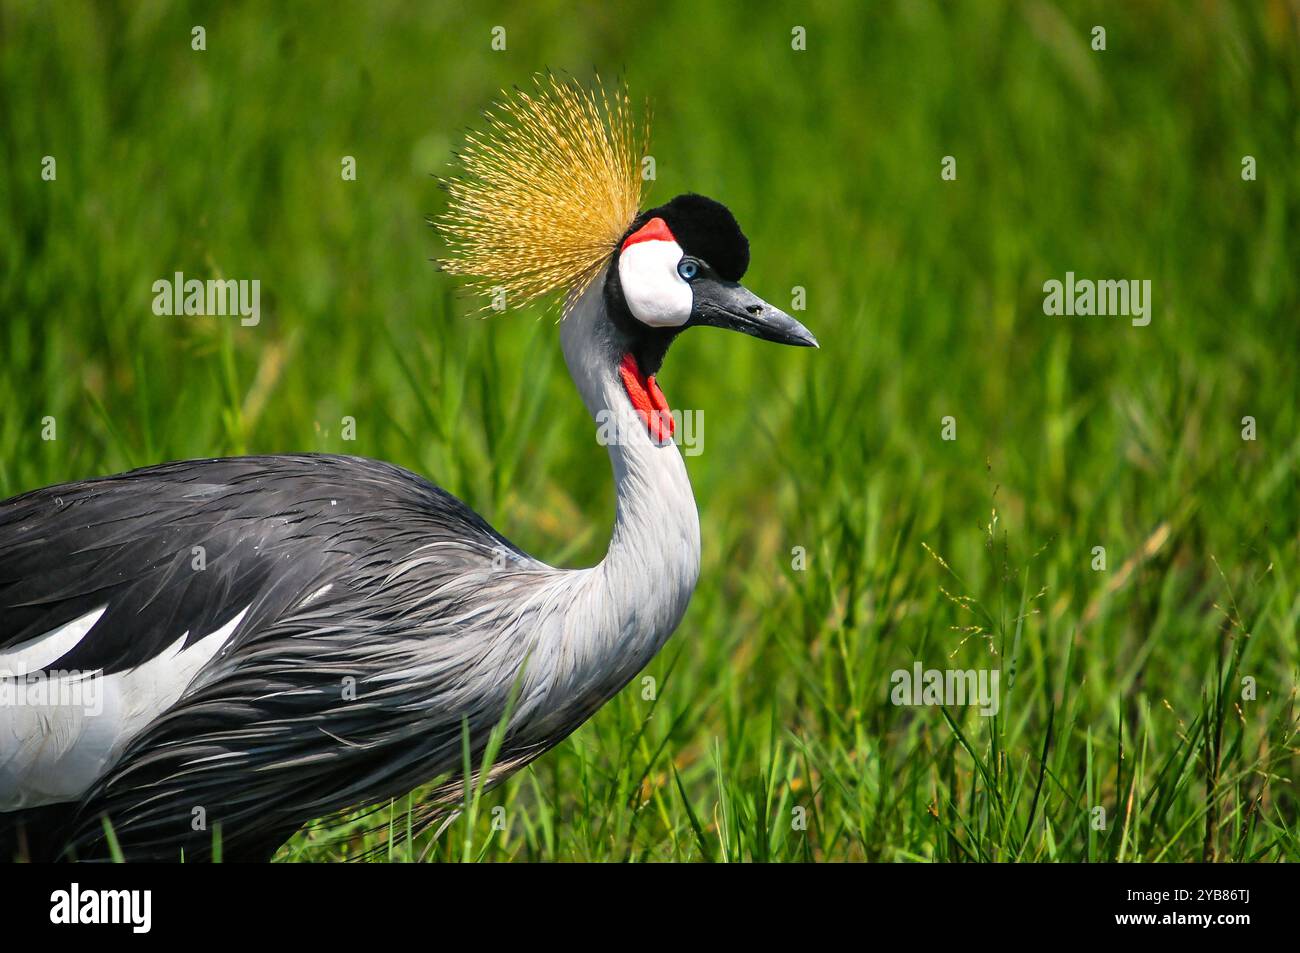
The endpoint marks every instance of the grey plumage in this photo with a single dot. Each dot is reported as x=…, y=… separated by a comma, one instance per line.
x=407, y=576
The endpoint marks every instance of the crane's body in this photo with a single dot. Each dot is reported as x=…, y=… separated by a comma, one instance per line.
x=275, y=639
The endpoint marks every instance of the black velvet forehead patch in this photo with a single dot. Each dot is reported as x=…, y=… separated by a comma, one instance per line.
x=706, y=230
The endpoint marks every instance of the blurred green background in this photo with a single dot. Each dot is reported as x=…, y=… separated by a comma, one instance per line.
x=926, y=295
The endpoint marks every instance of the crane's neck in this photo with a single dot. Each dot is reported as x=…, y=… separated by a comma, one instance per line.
x=634, y=599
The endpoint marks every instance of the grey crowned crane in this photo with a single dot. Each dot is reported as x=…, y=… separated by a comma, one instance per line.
x=351, y=624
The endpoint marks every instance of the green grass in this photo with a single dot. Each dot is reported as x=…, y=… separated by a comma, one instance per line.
x=772, y=701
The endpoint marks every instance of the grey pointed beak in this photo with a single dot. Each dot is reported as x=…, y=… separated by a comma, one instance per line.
x=726, y=304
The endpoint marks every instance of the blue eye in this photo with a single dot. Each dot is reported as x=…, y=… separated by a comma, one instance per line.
x=687, y=269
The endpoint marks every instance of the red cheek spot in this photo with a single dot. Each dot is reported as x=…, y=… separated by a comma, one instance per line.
x=655, y=230
x=647, y=400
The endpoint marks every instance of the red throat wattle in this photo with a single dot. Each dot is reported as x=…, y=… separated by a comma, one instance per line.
x=647, y=399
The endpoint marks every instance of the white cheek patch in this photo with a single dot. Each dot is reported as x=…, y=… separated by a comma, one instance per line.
x=656, y=295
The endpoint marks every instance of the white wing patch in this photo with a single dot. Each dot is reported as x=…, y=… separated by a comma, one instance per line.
x=655, y=293
x=58, y=734
x=44, y=650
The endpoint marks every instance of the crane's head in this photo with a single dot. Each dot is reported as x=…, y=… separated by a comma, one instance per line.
x=548, y=200
x=679, y=266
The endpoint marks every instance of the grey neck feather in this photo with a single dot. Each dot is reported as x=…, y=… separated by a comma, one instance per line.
x=615, y=616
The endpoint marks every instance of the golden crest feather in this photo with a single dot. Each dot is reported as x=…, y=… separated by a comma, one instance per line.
x=545, y=192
